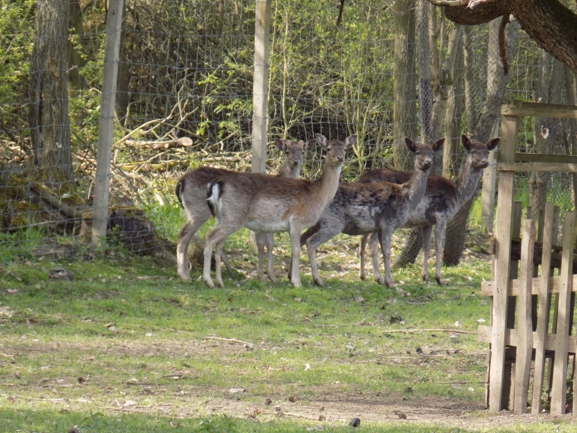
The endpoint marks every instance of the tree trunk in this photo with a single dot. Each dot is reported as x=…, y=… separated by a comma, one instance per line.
x=48, y=115
x=425, y=81
x=538, y=180
x=75, y=60
x=471, y=106
x=404, y=115
x=457, y=228
x=572, y=126
x=454, y=105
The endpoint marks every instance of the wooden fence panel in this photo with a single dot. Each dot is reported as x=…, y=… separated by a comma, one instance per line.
x=544, y=307
x=559, y=387
x=524, y=322
x=529, y=329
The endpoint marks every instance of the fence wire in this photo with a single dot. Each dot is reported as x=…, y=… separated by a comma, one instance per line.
x=184, y=99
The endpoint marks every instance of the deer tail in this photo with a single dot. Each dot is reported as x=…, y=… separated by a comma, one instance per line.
x=213, y=194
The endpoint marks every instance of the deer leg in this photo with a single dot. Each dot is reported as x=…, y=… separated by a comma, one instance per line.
x=260, y=239
x=295, y=235
x=373, y=245
x=218, y=264
x=426, y=251
x=218, y=234
x=362, y=246
x=322, y=235
x=269, y=242
x=303, y=240
x=184, y=237
x=439, y=242
x=385, y=240
x=270, y=261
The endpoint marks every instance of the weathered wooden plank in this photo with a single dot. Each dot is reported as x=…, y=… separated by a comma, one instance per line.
x=524, y=322
x=558, y=391
x=543, y=309
x=549, y=167
x=540, y=110
x=512, y=339
x=509, y=128
x=555, y=284
x=543, y=157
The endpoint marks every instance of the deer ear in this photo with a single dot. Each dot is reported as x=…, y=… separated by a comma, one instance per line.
x=281, y=144
x=411, y=145
x=438, y=145
x=492, y=144
x=466, y=142
x=322, y=140
x=352, y=139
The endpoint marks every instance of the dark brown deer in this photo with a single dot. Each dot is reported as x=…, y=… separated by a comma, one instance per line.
x=191, y=193
x=265, y=203
x=443, y=198
x=380, y=208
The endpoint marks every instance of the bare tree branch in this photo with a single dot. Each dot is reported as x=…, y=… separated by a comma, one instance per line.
x=549, y=22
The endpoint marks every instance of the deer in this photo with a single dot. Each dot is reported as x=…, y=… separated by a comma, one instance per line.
x=380, y=208
x=443, y=199
x=269, y=204
x=191, y=194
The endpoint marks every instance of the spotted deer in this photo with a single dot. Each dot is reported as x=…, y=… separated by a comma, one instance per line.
x=191, y=193
x=380, y=208
x=265, y=203
x=443, y=198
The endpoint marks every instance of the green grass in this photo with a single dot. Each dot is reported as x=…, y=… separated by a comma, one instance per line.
x=127, y=347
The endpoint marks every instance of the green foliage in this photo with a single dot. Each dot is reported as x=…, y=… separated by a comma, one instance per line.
x=18, y=245
x=16, y=33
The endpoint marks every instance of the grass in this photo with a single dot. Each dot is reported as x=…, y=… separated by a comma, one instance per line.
x=127, y=347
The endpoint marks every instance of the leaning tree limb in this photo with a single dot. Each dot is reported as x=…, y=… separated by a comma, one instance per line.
x=548, y=22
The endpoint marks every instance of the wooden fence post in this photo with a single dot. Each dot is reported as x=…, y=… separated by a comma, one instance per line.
x=260, y=86
x=559, y=388
x=509, y=128
x=106, y=125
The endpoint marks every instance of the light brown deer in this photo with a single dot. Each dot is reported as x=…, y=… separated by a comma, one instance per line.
x=191, y=193
x=265, y=203
x=443, y=198
x=291, y=169
x=379, y=208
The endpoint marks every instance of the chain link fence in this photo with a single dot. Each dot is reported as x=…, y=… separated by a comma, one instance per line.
x=184, y=99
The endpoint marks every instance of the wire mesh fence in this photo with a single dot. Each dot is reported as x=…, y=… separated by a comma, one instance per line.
x=184, y=99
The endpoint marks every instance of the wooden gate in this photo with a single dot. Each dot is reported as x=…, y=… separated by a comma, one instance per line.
x=539, y=363
x=531, y=315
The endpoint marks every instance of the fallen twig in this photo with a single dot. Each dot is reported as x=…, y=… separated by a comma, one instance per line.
x=229, y=340
x=411, y=331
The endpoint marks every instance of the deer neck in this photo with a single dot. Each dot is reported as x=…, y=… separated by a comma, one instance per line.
x=328, y=184
x=290, y=171
x=467, y=182
x=417, y=185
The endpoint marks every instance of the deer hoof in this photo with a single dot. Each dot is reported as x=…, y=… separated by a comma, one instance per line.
x=425, y=278
x=272, y=278
x=380, y=280
x=319, y=282
x=185, y=278
x=262, y=277
x=439, y=281
x=209, y=282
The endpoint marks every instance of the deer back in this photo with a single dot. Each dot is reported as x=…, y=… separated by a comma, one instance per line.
x=440, y=196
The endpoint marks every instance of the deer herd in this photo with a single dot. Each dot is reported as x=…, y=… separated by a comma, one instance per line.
x=374, y=206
